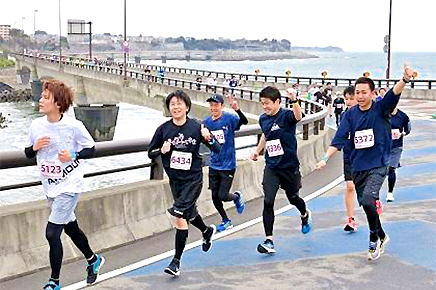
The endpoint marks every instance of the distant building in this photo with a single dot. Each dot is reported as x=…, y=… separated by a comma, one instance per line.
x=4, y=31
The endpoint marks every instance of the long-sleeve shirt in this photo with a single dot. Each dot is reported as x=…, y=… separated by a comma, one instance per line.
x=401, y=122
x=183, y=160
x=370, y=132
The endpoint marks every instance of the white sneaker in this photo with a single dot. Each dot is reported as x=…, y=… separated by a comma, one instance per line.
x=390, y=197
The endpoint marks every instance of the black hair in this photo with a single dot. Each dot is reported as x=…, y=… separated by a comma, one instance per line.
x=349, y=90
x=271, y=93
x=329, y=83
x=179, y=94
x=365, y=80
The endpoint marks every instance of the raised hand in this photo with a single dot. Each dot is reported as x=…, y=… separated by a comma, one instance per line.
x=166, y=146
x=206, y=133
x=233, y=103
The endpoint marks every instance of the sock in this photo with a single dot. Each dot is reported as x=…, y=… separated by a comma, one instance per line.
x=270, y=241
x=56, y=281
x=181, y=237
x=92, y=259
x=199, y=223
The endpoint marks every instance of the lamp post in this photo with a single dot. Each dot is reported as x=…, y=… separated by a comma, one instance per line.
x=34, y=22
x=22, y=24
x=60, y=36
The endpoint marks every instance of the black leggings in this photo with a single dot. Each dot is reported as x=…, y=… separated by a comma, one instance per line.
x=290, y=180
x=392, y=177
x=220, y=182
x=338, y=117
x=53, y=234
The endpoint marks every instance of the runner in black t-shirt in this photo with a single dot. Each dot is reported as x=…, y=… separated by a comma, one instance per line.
x=339, y=105
x=282, y=165
x=177, y=141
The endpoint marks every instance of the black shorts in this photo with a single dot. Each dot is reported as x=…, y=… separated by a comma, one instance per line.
x=348, y=176
x=220, y=182
x=185, y=194
x=288, y=179
x=369, y=182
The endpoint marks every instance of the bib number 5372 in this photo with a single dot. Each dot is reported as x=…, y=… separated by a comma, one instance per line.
x=364, y=139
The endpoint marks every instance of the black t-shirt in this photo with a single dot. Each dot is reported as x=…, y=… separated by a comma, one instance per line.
x=401, y=122
x=183, y=161
x=281, y=147
x=339, y=104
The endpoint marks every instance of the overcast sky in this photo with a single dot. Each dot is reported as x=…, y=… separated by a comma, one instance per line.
x=353, y=25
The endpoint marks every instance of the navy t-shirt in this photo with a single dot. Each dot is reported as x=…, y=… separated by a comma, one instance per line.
x=377, y=119
x=224, y=131
x=281, y=147
x=402, y=122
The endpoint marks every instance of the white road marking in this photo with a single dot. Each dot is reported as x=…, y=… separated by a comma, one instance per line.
x=198, y=243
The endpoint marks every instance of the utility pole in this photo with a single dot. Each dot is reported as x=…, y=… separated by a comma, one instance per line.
x=60, y=35
x=125, y=39
x=388, y=69
x=34, y=22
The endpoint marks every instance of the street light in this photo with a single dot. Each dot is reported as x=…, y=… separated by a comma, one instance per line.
x=22, y=23
x=34, y=22
x=388, y=69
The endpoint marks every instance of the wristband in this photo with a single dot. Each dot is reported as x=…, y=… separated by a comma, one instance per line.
x=73, y=155
x=325, y=158
x=212, y=142
x=405, y=80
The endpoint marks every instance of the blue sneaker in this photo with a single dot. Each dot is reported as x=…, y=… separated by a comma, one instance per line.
x=93, y=269
x=266, y=247
x=306, y=222
x=51, y=285
x=226, y=224
x=239, y=203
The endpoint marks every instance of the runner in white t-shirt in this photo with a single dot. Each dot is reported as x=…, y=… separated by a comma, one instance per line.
x=59, y=144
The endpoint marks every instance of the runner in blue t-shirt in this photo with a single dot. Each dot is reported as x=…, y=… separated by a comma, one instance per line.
x=368, y=125
x=282, y=166
x=223, y=164
x=400, y=125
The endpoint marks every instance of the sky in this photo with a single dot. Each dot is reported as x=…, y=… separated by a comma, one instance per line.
x=353, y=25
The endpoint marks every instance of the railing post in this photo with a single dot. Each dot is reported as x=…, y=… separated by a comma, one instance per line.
x=306, y=132
x=316, y=128
x=156, y=170
x=322, y=124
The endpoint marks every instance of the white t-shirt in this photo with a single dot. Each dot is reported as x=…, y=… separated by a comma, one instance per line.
x=68, y=134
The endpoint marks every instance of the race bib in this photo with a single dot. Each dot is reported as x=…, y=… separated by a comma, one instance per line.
x=394, y=133
x=51, y=169
x=274, y=148
x=364, y=139
x=181, y=160
x=219, y=135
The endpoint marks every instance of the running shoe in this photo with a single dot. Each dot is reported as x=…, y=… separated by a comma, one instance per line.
x=224, y=225
x=93, y=269
x=173, y=268
x=239, y=203
x=374, y=250
x=390, y=197
x=51, y=285
x=266, y=247
x=306, y=222
x=207, y=238
x=383, y=243
x=351, y=225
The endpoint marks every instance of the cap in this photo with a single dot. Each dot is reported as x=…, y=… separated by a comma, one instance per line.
x=216, y=98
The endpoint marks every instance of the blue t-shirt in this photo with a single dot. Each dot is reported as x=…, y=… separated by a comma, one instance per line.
x=280, y=131
x=402, y=122
x=224, y=131
x=377, y=119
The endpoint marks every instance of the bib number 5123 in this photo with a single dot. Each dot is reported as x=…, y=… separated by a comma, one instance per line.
x=51, y=169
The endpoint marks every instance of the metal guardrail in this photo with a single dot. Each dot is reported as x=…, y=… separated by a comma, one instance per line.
x=315, y=114
x=419, y=84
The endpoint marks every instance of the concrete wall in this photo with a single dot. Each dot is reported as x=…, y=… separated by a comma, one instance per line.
x=121, y=214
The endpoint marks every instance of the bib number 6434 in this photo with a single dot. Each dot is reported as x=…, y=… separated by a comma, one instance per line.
x=181, y=160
